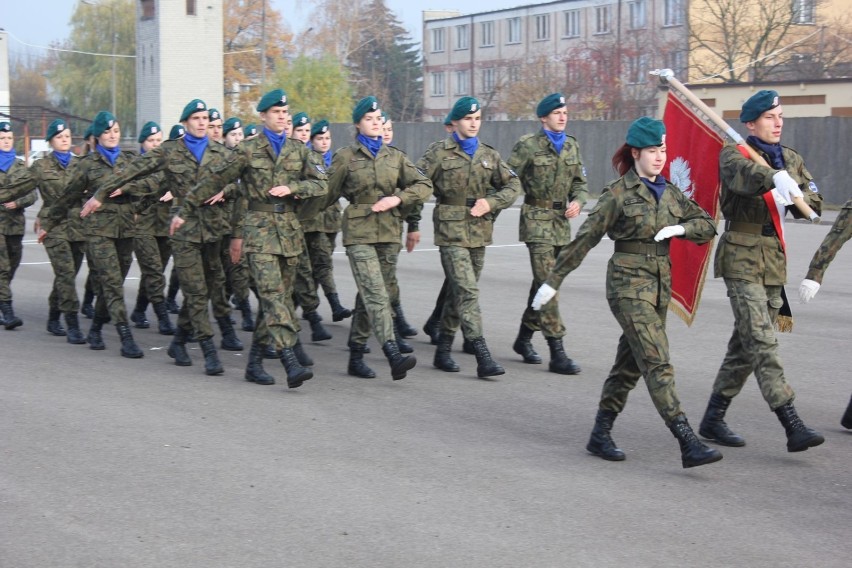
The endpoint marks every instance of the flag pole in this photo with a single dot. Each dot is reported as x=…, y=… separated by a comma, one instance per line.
x=667, y=78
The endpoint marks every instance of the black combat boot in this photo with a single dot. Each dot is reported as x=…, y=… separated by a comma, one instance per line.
x=713, y=425
x=248, y=318
x=600, y=443
x=846, y=421
x=444, y=354
x=404, y=346
x=87, y=308
x=692, y=451
x=177, y=348
x=212, y=365
x=318, y=332
x=54, y=326
x=560, y=362
x=95, y=339
x=432, y=328
x=523, y=346
x=164, y=323
x=255, y=372
x=172, y=306
x=338, y=312
x=129, y=348
x=296, y=374
x=405, y=328
x=230, y=341
x=364, y=348
x=304, y=359
x=485, y=365
x=799, y=436
x=467, y=346
x=357, y=367
x=399, y=364
x=74, y=335
x=270, y=352
x=138, y=317
x=10, y=320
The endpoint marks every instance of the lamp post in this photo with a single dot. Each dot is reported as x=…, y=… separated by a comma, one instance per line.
x=114, y=35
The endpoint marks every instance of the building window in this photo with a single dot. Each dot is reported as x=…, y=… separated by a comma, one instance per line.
x=542, y=26
x=486, y=33
x=637, y=14
x=437, y=40
x=513, y=74
x=438, y=84
x=637, y=71
x=676, y=61
x=803, y=11
x=462, y=37
x=147, y=9
x=462, y=82
x=190, y=7
x=572, y=23
x=673, y=13
x=514, y=25
x=488, y=80
x=602, y=20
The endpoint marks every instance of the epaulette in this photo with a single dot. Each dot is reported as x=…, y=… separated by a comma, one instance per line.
x=487, y=145
x=397, y=149
x=526, y=137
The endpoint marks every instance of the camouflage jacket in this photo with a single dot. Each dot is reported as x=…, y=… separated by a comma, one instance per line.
x=628, y=211
x=51, y=179
x=459, y=180
x=841, y=231
x=115, y=219
x=363, y=179
x=204, y=224
x=16, y=185
x=557, y=179
x=747, y=256
x=153, y=216
x=254, y=163
x=329, y=220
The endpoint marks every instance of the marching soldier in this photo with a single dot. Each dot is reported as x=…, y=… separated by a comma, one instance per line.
x=177, y=132
x=302, y=127
x=216, y=126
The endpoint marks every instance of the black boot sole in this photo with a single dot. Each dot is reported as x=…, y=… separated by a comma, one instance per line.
x=708, y=460
x=721, y=441
x=607, y=457
x=803, y=445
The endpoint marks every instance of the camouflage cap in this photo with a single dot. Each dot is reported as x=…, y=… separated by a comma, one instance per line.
x=319, y=127
x=177, y=132
x=549, y=104
x=193, y=106
x=463, y=107
x=365, y=105
x=646, y=132
x=757, y=104
x=148, y=129
x=301, y=119
x=55, y=128
x=231, y=124
x=104, y=120
x=273, y=98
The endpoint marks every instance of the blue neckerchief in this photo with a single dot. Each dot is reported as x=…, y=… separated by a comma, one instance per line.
x=7, y=158
x=277, y=140
x=556, y=138
x=776, y=157
x=64, y=158
x=468, y=146
x=373, y=145
x=196, y=145
x=109, y=153
x=327, y=158
x=656, y=187
x=141, y=150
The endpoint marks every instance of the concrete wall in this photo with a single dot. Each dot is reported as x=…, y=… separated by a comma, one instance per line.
x=823, y=142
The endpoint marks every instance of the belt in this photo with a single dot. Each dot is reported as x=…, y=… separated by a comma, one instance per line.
x=367, y=199
x=638, y=247
x=271, y=207
x=544, y=203
x=767, y=229
x=466, y=201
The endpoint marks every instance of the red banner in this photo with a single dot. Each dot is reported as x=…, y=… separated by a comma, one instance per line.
x=693, y=165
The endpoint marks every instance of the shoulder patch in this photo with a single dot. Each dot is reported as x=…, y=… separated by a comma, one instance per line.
x=633, y=200
x=320, y=169
x=421, y=172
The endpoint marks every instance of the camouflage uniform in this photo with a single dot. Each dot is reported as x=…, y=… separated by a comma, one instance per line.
x=841, y=231
x=638, y=282
x=16, y=185
x=550, y=182
x=752, y=262
x=320, y=236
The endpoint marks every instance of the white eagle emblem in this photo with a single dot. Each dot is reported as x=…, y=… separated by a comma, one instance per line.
x=681, y=175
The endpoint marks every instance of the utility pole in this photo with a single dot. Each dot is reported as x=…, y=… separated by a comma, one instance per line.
x=262, y=43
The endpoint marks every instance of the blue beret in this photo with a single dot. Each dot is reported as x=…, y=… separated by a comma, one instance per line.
x=104, y=120
x=250, y=130
x=147, y=130
x=214, y=114
x=301, y=119
x=193, y=106
x=177, y=132
x=55, y=128
x=646, y=132
x=319, y=127
x=463, y=107
x=757, y=104
x=365, y=105
x=231, y=124
x=273, y=98
x=549, y=104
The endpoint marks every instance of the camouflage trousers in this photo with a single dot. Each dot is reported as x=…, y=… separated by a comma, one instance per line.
x=305, y=289
x=199, y=268
x=11, y=252
x=110, y=261
x=643, y=351
x=753, y=346
x=372, y=266
x=152, y=254
x=274, y=275
x=66, y=258
x=462, y=267
x=320, y=248
x=236, y=275
x=548, y=320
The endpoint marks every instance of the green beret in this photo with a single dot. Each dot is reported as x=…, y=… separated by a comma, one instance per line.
x=231, y=124
x=250, y=130
x=273, y=98
x=463, y=107
x=757, y=104
x=5, y=126
x=385, y=117
x=549, y=104
x=320, y=127
x=177, y=132
x=193, y=106
x=448, y=121
x=103, y=121
x=150, y=128
x=55, y=128
x=646, y=132
x=88, y=133
x=365, y=105
x=214, y=114
x=301, y=119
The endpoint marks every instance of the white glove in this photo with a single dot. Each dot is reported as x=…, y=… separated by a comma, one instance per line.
x=669, y=232
x=545, y=294
x=786, y=185
x=807, y=290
